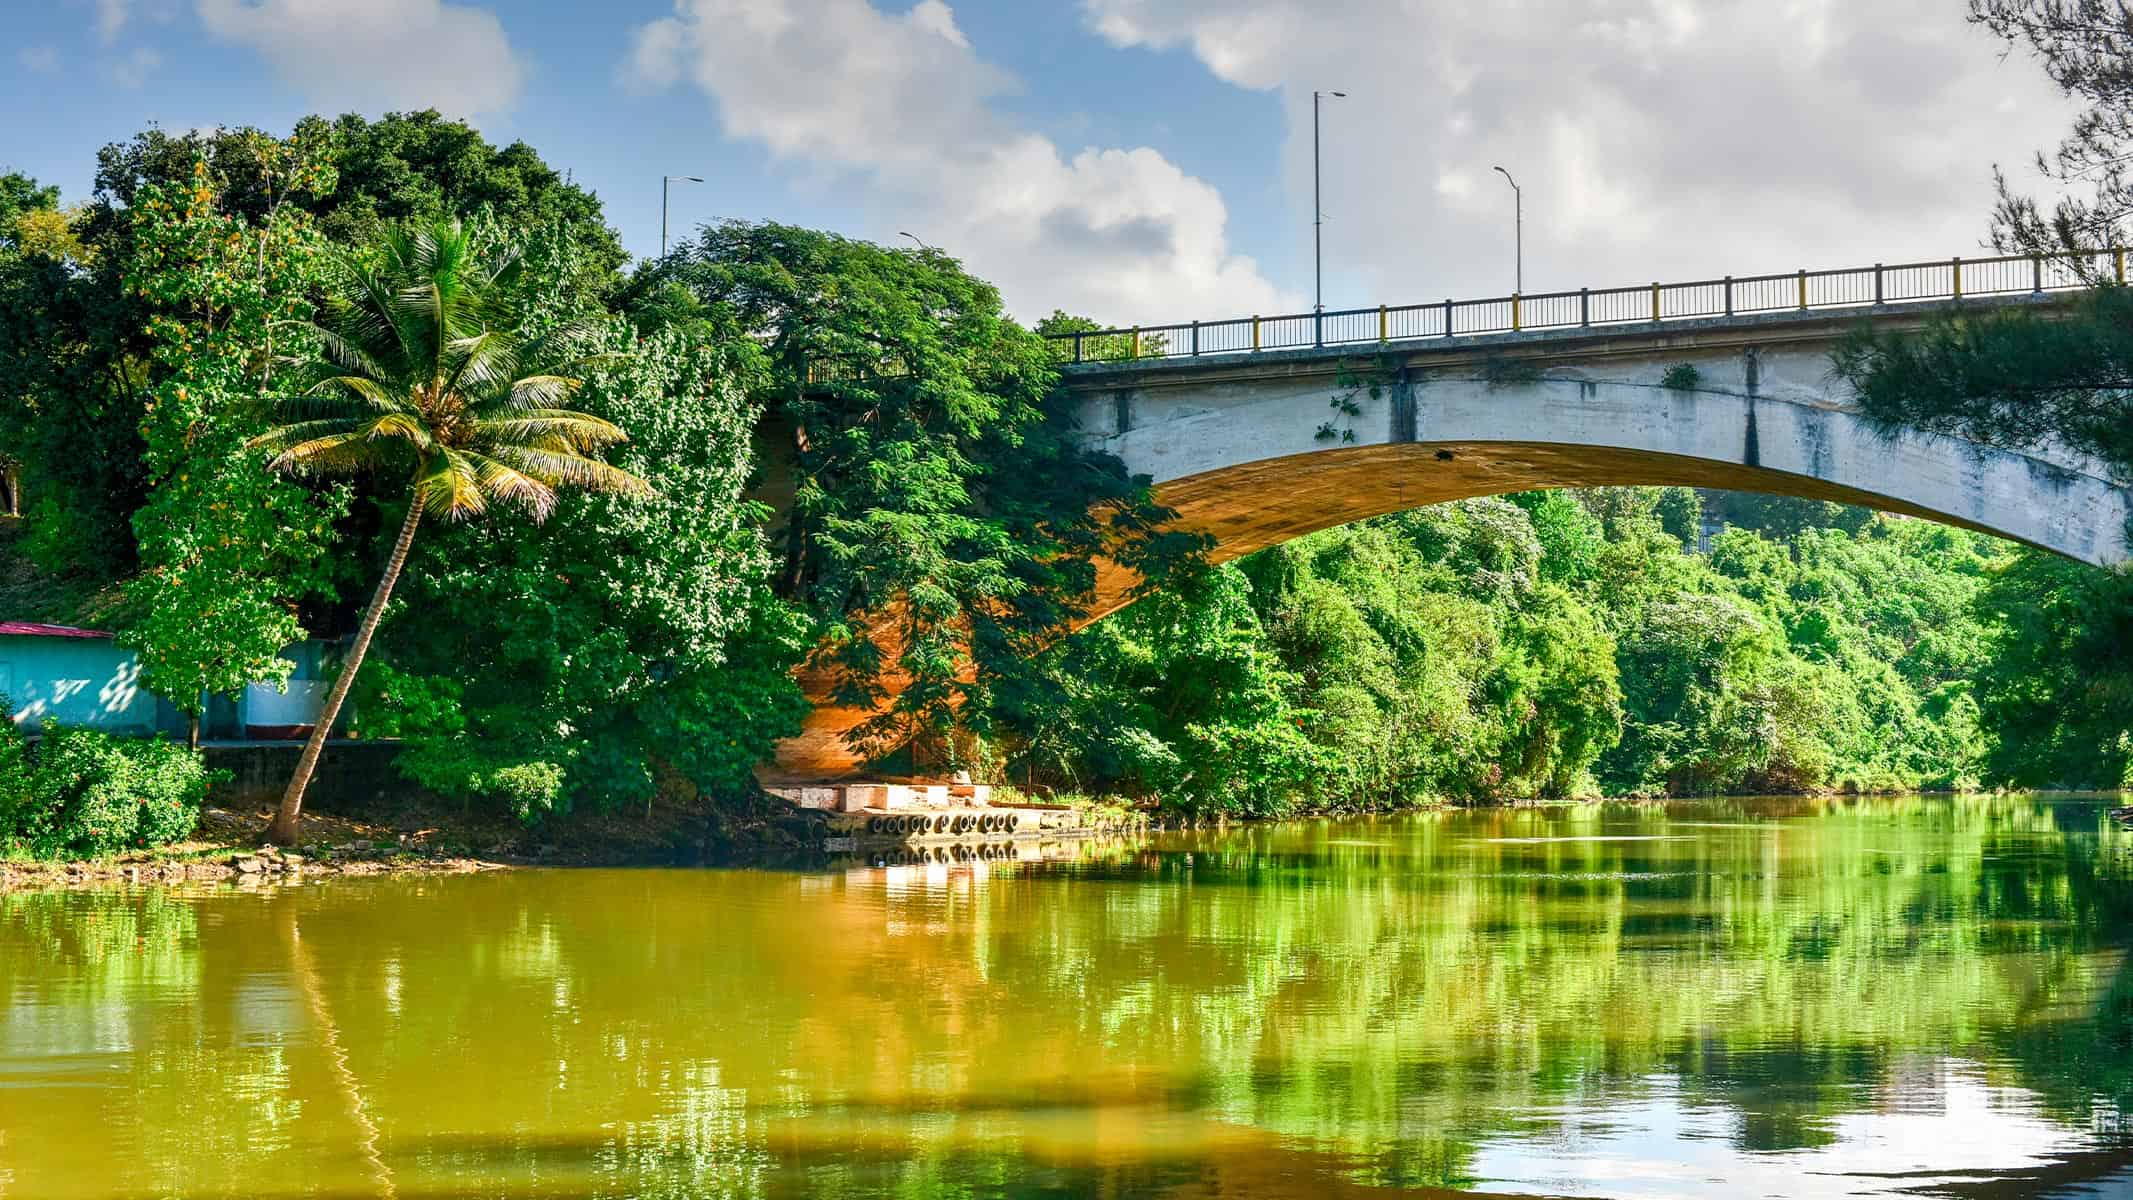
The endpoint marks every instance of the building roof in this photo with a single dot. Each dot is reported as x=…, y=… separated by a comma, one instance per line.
x=33, y=629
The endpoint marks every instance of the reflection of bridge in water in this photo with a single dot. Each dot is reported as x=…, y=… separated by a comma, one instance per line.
x=1261, y=429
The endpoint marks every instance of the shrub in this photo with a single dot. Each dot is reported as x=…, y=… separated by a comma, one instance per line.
x=170, y=785
x=528, y=789
x=89, y=794
x=465, y=769
x=1681, y=377
x=14, y=778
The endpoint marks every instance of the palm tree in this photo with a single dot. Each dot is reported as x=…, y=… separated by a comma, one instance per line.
x=419, y=371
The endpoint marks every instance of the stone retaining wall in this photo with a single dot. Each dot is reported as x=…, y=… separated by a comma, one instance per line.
x=351, y=775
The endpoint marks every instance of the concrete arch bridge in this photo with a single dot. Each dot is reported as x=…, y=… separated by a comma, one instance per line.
x=1256, y=447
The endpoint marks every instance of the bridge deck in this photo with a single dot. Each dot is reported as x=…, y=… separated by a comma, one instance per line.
x=1557, y=342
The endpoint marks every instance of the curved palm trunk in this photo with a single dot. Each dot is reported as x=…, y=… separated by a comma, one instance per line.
x=282, y=831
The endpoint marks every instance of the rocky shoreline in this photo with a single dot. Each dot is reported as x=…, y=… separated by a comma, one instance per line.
x=196, y=863
x=413, y=835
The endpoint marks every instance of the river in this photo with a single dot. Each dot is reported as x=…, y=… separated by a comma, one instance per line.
x=1902, y=996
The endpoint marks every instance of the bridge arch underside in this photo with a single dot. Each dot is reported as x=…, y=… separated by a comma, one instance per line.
x=1256, y=505
x=1254, y=461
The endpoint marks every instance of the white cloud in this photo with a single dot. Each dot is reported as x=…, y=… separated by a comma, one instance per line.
x=939, y=18
x=113, y=16
x=133, y=70
x=904, y=104
x=41, y=60
x=1655, y=139
x=373, y=54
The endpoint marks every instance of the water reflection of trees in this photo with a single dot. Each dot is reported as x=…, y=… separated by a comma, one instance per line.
x=1408, y=985
x=1377, y=999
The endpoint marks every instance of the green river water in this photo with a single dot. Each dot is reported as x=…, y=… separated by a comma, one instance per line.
x=1908, y=996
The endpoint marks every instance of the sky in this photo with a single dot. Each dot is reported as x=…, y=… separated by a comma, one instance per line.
x=1143, y=160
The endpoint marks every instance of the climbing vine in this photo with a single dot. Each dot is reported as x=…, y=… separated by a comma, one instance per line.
x=1353, y=381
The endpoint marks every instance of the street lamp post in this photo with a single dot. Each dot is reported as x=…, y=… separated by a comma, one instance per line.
x=914, y=237
x=664, y=184
x=1518, y=216
x=1318, y=221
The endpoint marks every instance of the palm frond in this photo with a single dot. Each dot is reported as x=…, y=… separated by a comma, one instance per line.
x=329, y=404
x=504, y=482
x=449, y=486
x=428, y=324
x=299, y=432
x=344, y=453
x=349, y=354
x=357, y=393
x=534, y=392
x=486, y=359
x=503, y=266
x=401, y=426
x=422, y=303
x=444, y=253
x=370, y=318
x=576, y=430
x=558, y=468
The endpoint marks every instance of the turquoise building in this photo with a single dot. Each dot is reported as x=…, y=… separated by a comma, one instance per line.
x=83, y=677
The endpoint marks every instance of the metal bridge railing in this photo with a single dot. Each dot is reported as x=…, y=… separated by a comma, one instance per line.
x=1799, y=291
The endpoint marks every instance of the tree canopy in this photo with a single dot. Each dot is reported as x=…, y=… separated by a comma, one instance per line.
x=943, y=519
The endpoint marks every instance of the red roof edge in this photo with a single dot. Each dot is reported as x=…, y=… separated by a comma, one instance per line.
x=33, y=629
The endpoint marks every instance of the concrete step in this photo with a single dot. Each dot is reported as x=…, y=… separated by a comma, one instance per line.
x=887, y=797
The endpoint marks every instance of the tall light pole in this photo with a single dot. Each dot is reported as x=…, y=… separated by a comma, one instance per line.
x=1318, y=219
x=914, y=237
x=664, y=184
x=1518, y=217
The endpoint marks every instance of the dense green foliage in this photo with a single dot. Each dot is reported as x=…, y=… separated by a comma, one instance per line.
x=631, y=631
x=639, y=638
x=82, y=793
x=423, y=377
x=224, y=545
x=1496, y=649
x=77, y=353
x=2058, y=695
x=943, y=520
x=2057, y=691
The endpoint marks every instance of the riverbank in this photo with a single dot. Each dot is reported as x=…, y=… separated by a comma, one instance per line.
x=410, y=834
x=228, y=846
